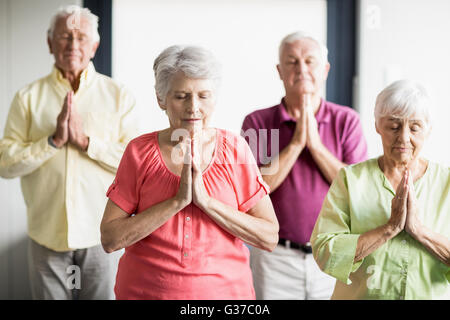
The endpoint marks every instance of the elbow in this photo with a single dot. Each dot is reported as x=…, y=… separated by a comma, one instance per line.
x=7, y=174
x=109, y=247
x=272, y=239
x=108, y=243
x=270, y=246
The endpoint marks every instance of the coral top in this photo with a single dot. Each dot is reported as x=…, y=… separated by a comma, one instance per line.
x=190, y=256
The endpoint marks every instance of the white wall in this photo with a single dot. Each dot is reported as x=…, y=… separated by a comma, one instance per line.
x=405, y=39
x=24, y=57
x=244, y=35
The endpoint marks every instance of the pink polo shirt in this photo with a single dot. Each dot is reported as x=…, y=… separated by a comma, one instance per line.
x=298, y=199
x=190, y=256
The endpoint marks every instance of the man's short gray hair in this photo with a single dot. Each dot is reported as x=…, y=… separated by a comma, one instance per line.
x=78, y=12
x=403, y=98
x=299, y=35
x=194, y=62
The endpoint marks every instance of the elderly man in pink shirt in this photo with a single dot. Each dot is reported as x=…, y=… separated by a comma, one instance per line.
x=305, y=141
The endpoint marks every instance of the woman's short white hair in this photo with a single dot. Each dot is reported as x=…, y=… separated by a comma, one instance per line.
x=195, y=62
x=299, y=35
x=403, y=99
x=78, y=12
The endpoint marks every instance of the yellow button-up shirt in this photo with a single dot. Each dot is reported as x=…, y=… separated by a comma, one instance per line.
x=65, y=189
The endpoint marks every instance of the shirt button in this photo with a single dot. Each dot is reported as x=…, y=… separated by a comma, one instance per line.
x=188, y=219
x=186, y=236
x=185, y=254
x=403, y=242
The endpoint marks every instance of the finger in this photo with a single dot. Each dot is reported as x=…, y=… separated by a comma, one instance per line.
x=70, y=98
x=304, y=121
x=64, y=108
x=401, y=185
x=67, y=106
x=400, y=192
x=186, y=145
x=303, y=114
x=405, y=197
x=186, y=172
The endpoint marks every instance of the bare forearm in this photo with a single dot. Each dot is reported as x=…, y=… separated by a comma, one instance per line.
x=281, y=166
x=255, y=231
x=328, y=164
x=121, y=233
x=371, y=240
x=435, y=243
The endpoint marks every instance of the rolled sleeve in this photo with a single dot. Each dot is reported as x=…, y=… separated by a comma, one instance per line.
x=354, y=144
x=261, y=192
x=247, y=180
x=124, y=191
x=334, y=246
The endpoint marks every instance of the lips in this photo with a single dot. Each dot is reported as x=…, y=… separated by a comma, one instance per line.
x=191, y=120
x=402, y=149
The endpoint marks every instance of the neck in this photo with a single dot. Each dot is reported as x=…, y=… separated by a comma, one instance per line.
x=391, y=167
x=73, y=77
x=172, y=137
x=299, y=101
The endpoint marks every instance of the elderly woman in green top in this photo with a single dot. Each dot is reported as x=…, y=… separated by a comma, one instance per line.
x=384, y=227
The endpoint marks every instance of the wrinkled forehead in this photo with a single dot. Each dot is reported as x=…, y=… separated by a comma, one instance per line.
x=301, y=47
x=72, y=23
x=416, y=117
x=181, y=82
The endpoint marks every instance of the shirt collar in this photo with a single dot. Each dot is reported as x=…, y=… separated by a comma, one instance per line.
x=85, y=78
x=322, y=115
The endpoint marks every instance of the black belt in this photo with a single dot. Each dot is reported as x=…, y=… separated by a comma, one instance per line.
x=306, y=248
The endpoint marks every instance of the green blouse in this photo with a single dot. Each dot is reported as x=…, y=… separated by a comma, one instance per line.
x=358, y=201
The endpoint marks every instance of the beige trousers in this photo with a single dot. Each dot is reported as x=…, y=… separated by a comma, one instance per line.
x=288, y=274
x=84, y=274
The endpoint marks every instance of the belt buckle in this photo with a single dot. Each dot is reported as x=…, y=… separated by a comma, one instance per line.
x=307, y=247
x=288, y=244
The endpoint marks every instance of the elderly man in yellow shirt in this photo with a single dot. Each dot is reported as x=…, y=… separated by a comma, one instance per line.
x=64, y=137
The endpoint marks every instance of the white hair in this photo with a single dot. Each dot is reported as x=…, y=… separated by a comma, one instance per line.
x=403, y=99
x=299, y=35
x=78, y=12
x=194, y=62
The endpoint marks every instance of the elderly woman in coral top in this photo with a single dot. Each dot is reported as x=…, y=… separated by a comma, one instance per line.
x=185, y=199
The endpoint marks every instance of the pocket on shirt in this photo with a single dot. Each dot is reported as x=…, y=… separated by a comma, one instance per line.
x=103, y=125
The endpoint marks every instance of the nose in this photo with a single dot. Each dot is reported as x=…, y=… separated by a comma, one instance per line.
x=73, y=43
x=192, y=105
x=404, y=134
x=300, y=67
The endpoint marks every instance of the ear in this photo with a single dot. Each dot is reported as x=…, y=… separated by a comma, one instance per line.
x=429, y=132
x=279, y=71
x=94, y=49
x=376, y=127
x=49, y=42
x=326, y=71
x=160, y=103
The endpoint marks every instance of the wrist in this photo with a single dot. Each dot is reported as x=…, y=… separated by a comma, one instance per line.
x=416, y=231
x=296, y=147
x=205, y=204
x=391, y=230
x=85, y=144
x=54, y=142
x=316, y=147
x=179, y=203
